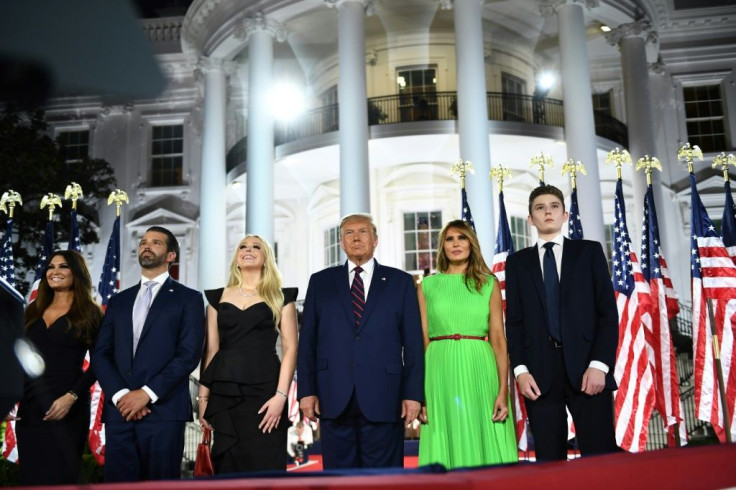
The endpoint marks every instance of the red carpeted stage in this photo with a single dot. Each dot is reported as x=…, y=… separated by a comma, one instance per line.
x=706, y=467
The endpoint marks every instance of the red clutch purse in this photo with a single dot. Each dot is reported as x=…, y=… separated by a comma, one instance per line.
x=203, y=463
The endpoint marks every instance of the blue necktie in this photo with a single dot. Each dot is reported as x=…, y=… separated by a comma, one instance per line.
x=552, y=288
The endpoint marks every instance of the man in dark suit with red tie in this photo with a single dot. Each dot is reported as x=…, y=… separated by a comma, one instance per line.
x=361, y=358
x=562, y=329
x=150, y=341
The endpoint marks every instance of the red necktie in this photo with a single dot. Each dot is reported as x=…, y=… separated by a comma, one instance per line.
x=358, y=294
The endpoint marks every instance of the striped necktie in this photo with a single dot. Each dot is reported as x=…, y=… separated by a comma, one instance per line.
x=358, y=295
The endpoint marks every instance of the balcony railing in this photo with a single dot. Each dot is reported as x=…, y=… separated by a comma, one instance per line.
x=436, y=106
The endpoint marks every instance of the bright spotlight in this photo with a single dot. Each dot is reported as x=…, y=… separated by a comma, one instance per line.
x=287, y=102
x=546, y=80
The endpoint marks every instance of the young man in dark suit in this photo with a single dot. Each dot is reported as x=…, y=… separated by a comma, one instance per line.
x=361, y=357
x=562, y=329
x=150, y=341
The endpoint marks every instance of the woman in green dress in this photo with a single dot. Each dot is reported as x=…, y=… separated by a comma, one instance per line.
x=467, y=416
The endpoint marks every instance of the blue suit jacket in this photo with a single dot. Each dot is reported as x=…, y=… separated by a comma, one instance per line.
x=382, y=359
x=589, y=317
x=168, y=351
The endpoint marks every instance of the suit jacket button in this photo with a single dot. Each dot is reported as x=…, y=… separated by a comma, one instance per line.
x=353, y=364
x=130, y=373
x=357, y=339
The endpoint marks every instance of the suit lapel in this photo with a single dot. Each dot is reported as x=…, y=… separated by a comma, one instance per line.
x=127, y=305
x=569, y=252
x=535, y=270
x=161, y=299
x=378, y=285
x=342, y=285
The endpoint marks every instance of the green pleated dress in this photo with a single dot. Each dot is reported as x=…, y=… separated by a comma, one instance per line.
x=461, y=380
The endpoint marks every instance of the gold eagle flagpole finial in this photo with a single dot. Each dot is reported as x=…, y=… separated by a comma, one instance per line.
x=648, y=164
x=118, y=197
x=572, y=167
x=8, y=201
x=618, y=157
x=500, y=173
x=689, y=154
x=51, y=201
x=722, y=161
x=461, y=168
x=73, y=192
x=541, y=160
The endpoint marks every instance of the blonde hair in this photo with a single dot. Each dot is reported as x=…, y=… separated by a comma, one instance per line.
x=477, y=270
x=269, y=287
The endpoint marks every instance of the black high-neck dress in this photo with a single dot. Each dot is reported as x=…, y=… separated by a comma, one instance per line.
x=50, y=452
x=242, y=376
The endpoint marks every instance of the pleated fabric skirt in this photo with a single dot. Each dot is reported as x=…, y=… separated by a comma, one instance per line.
x=461, y=386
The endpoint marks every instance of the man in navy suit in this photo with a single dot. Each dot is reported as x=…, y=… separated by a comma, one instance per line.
x=150, y=341
x=562, y=328
x=361, y=358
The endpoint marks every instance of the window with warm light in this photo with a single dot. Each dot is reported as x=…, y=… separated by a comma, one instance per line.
x=417, y=88
x=421, y=232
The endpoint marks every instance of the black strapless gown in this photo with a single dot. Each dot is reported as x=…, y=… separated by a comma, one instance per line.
x=242, y=376
x=50, y=453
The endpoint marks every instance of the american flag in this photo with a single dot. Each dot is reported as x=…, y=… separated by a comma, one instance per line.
x=728, y=224
x=713, y=278
x=663, y=362
x=44, y=255
x=75, y=243
x=110, y=277
x=466, y=216
x=293, y=402
x=7, y=262
x=108, y=286
x=505, y=247
x=634, y=399
x=574, y=225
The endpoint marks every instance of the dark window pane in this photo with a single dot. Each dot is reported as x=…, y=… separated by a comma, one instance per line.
x=410, y=241
x=411, y=261
x=409, y=221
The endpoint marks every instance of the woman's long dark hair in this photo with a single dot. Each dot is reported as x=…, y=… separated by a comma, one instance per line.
x=84, y=316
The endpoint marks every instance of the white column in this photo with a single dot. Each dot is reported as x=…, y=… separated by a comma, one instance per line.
x=578, y=109
x=473, y=118
x=212, y=212
x=631, y=39
x=259, y=215
x=353, y=107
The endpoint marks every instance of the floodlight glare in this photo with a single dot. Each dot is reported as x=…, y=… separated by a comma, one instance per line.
x=546, y=80
x=287, y=102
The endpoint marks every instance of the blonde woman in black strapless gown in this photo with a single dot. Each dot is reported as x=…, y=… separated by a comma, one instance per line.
x=244, y=386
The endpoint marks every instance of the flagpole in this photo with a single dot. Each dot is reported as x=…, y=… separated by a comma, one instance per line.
x=688, y=154
x=118, y=197
x=10, y=199
x=648, y=163
x=541, y=160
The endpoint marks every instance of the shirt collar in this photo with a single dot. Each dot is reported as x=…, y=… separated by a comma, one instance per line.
x=160, y=279
x=559, y=239
x=367, y=267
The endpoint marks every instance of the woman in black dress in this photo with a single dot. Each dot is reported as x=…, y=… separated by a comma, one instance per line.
x=242, y=395
x=53, y=414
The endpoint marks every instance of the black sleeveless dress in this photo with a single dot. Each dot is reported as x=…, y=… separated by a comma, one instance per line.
x=242, y=376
